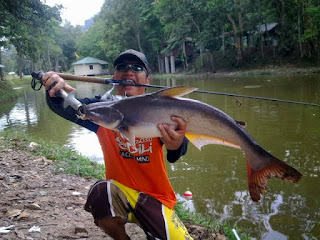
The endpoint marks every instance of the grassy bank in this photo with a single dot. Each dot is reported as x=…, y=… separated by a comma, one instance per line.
x=217, y=227
x=65, y=160
x=7, y=91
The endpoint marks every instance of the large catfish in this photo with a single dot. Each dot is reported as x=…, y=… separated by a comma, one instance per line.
x=139, y=116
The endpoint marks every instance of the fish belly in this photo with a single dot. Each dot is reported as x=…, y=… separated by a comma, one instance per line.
x=145, y=131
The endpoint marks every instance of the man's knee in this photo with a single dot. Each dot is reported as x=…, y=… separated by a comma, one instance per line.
x=97, y=200
x=106, y=200
x=114, y=227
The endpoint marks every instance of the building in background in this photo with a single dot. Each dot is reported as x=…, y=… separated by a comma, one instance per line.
x=90, y=66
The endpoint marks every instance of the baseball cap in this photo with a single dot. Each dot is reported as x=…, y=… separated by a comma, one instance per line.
x=132, y=54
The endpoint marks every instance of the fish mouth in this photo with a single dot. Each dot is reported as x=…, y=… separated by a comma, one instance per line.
x=82, y=117
x=81, y=112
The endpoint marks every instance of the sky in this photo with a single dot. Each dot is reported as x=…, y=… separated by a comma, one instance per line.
x=77, y=11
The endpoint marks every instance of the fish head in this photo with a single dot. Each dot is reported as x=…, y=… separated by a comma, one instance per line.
x=103, y=114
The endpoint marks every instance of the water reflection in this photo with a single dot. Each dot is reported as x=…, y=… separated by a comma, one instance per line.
x=217, y=174
x=85, y=142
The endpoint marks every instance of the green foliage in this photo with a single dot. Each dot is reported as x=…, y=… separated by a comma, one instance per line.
x=160, y=27
x=10, y=62
x=91, y=43
x=23, y=25
x=122, y=25
x=312, y=32
x=67, y=39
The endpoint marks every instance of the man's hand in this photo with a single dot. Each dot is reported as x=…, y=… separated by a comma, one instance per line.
x=50, y=78
x=173, y=139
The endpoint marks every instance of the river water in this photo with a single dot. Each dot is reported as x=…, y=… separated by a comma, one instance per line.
x=217, y=175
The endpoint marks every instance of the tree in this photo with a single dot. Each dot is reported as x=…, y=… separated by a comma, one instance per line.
x=312, y=31
x=67, y=40
x=21, y=24
x=91, y=43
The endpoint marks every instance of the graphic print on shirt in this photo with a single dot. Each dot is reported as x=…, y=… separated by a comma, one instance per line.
x=140, y=154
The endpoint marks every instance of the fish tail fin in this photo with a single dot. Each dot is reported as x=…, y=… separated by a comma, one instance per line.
x=257, y=179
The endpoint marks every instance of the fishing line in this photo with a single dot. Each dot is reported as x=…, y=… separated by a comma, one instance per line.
x=236, y=95
x=37, y=84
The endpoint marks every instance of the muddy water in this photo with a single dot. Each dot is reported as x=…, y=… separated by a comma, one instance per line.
x=217, y=175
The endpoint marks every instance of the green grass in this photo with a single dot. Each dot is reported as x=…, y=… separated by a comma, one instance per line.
x=7, y=92
x=216, y=226
x=15, y=81
x=65, y=160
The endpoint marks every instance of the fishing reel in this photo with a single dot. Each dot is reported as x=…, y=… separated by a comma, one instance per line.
x=36, y=82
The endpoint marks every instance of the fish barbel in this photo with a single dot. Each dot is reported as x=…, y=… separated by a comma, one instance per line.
x=139, y=116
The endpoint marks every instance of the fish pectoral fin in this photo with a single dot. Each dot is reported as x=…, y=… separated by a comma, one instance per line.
x=128, y=135
x=201, y=140
x=175, y=91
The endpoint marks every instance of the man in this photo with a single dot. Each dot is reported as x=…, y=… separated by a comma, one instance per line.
x=137, y=188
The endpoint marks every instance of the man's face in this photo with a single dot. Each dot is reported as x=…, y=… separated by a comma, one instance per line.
x=137, y=77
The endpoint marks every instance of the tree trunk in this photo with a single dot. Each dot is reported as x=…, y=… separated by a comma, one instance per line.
x=159, y=63
x=39, y=62
x=240, y=33
x=35, y=66
x=139, y=41
x=56, y=68
x=223, y=43
x=318, y=47
x=260, y=31
x=299, y=34
x=184, y=54
x=1, y=74
x=49, y=66
x=20, y=64
x=201, y=45
x=282, y=24
x=235, y=30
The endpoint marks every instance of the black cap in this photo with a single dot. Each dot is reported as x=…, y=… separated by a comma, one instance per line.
x=132, y=54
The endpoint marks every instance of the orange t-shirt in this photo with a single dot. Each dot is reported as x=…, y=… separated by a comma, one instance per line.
x=142, y=169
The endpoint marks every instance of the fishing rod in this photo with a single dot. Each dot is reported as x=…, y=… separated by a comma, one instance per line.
x=37, y=84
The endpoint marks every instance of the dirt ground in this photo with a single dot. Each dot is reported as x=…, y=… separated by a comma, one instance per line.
x=36, y=203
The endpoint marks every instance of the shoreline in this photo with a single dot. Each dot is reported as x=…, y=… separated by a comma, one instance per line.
x=270, y=70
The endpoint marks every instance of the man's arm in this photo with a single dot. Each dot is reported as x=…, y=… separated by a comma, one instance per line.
x=174, y=155
x=56, y=105
x=174, y=140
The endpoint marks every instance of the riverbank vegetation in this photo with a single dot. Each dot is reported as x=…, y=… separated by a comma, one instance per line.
x=9, y=89
x=198, y=36
x=67, y=161
x=6, y=92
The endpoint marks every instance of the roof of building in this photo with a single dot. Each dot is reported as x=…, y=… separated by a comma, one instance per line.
x=90, y=60
x=270, y=26
x=1, y=66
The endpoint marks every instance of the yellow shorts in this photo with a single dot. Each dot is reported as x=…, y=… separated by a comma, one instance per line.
x=109, y=198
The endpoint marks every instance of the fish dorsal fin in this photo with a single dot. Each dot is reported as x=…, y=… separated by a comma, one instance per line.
x=201, y=140
x=175, y=91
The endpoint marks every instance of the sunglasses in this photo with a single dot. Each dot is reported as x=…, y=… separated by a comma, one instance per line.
x=122, y=67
